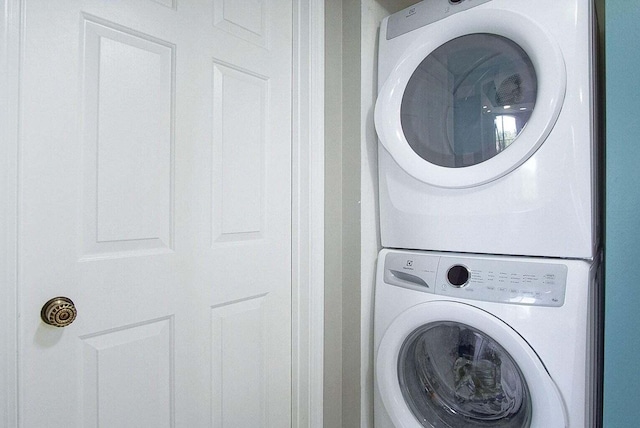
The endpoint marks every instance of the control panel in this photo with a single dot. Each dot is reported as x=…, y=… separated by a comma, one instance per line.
x=425, y=13
x=492, y=280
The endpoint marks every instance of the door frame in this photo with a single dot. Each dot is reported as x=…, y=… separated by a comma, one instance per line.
x=308, y=215
x=307, y=211
x=9, y=121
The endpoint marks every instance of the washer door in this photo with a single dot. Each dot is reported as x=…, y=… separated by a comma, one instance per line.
x=449, y=364
x=472, y=98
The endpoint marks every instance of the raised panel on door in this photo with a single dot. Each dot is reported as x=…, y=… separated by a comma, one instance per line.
x=156, y=193
x=239, y=140
x=246, y=19
x=239, y=363
x=129, y=372
x=128, y=89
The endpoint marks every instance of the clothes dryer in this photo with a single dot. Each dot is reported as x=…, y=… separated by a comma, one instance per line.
x=486, y=117
x=486, y=341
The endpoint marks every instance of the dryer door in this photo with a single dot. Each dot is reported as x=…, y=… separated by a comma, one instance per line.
x=449, y=364
x=472, y=98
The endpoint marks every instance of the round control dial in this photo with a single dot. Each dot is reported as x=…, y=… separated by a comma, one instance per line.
x=458, y=275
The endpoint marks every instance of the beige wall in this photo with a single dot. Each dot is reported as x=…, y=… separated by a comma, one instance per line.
x=333, y=216
x=351, y=221
x=373, y=11
x=351, y=237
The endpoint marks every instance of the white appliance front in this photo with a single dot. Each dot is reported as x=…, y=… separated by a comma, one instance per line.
x=480, y=341
x=485, y=116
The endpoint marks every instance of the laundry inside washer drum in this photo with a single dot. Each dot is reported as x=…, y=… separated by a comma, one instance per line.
x=453, y=375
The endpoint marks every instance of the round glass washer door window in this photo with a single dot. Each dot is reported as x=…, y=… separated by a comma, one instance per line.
x=392, y=353
x=468, y=100
x=453, y=375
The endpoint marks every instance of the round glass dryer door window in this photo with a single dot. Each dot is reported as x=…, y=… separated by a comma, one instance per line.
x=451, y=374
x=471, y=99
x=468, y=100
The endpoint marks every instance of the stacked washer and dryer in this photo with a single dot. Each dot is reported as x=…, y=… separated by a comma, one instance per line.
x=488, y=293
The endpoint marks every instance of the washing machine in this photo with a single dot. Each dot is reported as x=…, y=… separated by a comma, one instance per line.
x=486, y=341
x=487, y=122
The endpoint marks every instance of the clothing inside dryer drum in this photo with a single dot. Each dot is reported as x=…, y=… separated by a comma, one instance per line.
x=452, y=375
x=468, y=100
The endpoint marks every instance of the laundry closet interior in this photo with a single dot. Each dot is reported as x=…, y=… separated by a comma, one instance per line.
x=445, y=219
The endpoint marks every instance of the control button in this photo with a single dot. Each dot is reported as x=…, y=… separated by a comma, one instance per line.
x=458, y=275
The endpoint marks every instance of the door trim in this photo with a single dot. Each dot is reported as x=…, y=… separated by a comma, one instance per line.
x=307, y=211
x=10, y=15
x=308, y=215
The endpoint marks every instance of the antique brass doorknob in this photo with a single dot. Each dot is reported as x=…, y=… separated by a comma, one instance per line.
x=58, y=312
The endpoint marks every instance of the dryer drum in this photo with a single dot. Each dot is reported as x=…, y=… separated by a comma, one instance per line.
x=452, y=374
x=510, y=91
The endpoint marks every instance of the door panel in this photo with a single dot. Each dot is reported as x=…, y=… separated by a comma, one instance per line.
x=238, y=153
x=128, y=140
x=114, y=395
x=155, y=177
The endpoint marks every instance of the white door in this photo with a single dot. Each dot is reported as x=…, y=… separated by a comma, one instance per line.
x=155, y=177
